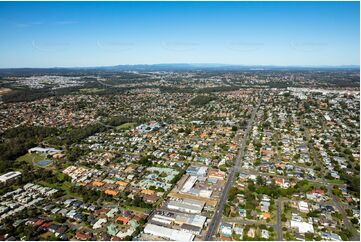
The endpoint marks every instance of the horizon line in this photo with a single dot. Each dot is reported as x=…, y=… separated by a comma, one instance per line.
x=194, y=64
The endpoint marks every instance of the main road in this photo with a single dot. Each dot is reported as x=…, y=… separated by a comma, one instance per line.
x=214, y=224
x=279, y=220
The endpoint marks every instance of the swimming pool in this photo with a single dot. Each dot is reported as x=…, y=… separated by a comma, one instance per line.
x=44, y=163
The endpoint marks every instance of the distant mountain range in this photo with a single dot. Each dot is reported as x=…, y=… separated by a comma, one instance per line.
x=175, y=67
x=181, y=66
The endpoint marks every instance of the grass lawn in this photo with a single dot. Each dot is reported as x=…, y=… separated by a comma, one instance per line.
x=288, y=212
x=273, y=216
x=32, y=158
x=127, y=126
x=47, y=235
x=336, y=182
x=136, y=209
x=60, y=175
x=65, y=186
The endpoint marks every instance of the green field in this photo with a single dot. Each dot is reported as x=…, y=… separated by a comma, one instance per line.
x=32, y=158
x=127, y=126
x=136, y=209
x=65, y=186
x=336, y=182
x=90, y=90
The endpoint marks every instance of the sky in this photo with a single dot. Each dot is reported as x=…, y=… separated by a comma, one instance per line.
x=82, y=34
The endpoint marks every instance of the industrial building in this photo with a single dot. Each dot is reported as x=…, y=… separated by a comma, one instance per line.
x=186, y=205
x=191, y=223
x=188, y=187
x=171, y=234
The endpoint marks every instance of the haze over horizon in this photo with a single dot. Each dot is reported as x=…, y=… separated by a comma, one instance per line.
x=87, y=34
x=193, y=65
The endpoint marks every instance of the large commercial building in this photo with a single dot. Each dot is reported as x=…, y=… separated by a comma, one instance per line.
x=186, y=205
x=188, y=187
x=171, y=234
x=191, y=223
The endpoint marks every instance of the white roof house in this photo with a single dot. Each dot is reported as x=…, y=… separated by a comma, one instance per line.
x=331, y=236
x=99, y=223
x=265, y=234
x=9, y=176
x=43, y=150
x=302, y=227
x=303, y=206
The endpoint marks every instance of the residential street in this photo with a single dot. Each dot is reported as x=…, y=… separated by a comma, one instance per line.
x=279, y=205
x=340, y=207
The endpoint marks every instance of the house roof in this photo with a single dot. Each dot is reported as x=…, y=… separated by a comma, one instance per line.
x=98, y=183
x=111, y=192
x=123, y=219
x=266, y=215
x=148, y=192
x=122, y=183
x=83, y=236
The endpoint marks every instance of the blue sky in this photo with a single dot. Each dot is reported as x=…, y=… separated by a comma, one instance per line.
x=71, y=34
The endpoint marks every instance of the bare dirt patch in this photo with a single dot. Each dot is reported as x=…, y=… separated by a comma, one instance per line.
x=4, y=90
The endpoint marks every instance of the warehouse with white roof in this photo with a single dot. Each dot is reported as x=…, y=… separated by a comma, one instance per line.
x=171, y=234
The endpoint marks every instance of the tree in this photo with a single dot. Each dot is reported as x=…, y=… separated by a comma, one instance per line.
x=355, y=221
x=144, y=161
x=232, y=193
x=201, y=100
x=308, y=236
